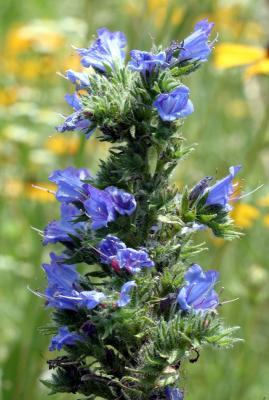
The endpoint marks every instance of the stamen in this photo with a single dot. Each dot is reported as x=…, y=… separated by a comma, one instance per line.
x=249, y=193
x=229, y=301
x=44, y=189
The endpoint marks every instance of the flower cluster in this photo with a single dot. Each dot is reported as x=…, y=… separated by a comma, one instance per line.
x=141, y=306
x=102, y=206
x=107, y=54
x=113, y=251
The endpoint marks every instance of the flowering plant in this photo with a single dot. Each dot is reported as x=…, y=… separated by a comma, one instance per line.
x=142, y=308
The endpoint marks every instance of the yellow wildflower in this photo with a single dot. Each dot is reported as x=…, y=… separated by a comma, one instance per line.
x=259, y=68
x=157, y=10
x=8, y=96
x=244, y=215
x=31, y=66
x=41, y=37
x=228, y=55
x=59, y=144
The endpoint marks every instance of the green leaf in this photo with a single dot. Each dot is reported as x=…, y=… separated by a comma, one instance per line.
x=152, y=158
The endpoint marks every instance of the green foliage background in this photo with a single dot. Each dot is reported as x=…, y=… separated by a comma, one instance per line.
x=230, y=125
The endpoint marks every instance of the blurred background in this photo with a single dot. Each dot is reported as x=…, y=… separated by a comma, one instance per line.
x=230, y=125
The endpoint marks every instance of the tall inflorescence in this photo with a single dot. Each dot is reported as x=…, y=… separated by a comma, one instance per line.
x=141, y=308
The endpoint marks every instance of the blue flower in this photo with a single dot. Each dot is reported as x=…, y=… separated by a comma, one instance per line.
x=80, y=79
x=175, y=104
x=124, y=293
x=113, y=251
x=173, y=393
x=220, y=193
x=123, y=202
x=99, y=207
x=64, y=338
x=89, y=299
x=70, y=185
x=146, y=62
x=198, y=293
x=109, y=247
x=60, y=231
x=102, y=206
x=74, y=101
x=62, y=280
x=196, y=46
x=107, y=50
x=133, y=260
x=76, y=121
x=63, y=289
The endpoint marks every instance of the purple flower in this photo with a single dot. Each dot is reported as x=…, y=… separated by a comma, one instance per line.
x=102, y=206
x=99, y=207
x=109, y=247
x=133, y=260
x=198, y=293
x=76, y=121
x=220, y=193
x=64, y=338
x=62, y=280
x=123, y=202
x=80, y=79
x=173, y=393
x=60, y=231
x=175, y=104
x=70, y=185
x=124, y=293
x=114, y=251
x=108, y=49
x=74, y=101
x=146, y=62
x=89, y=299
x=196, y=46
x=63, y=289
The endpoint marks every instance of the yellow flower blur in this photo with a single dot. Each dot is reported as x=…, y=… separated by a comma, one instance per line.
x=60, y=145
x=36, y=37
x=244, y=215
x=157, y=10
x=8, y=96
x=228, y=55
